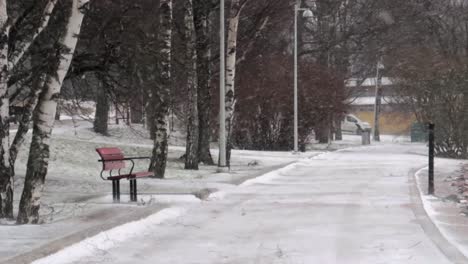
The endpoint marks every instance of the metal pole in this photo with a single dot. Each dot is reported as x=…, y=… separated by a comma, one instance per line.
x=378, y=103
x=431, y=160
x=296, y=131
x=222, y=91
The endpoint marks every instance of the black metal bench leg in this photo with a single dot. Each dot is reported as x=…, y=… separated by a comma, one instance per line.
x=116, y=190
x=133, y=190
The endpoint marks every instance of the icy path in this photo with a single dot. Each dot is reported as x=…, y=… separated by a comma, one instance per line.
x=345, y=207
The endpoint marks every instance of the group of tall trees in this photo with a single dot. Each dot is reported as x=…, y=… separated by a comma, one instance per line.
x=161, y=58
x=428, y=62
x=130, y=52
x=37, y=47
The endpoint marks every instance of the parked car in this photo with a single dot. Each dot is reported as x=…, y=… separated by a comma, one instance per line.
x=354, y=125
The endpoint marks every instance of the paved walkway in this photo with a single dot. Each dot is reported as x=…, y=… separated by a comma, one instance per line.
x=346, y=207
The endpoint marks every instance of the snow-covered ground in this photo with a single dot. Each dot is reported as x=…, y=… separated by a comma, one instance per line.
x=447, y=208
x=350, y=201
x=350, y=206
x=77, y=202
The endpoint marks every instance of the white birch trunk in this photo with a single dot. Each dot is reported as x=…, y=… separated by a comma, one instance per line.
x=191, y=153
x=234, y=15
x=44, y=117
x=22, y=47
x=23, y=127
x=6, y=179
x=160, y=96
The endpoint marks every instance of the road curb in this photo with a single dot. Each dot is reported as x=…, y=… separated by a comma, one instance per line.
x=427, y=223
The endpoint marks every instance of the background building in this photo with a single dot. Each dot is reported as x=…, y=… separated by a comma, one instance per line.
x=396, y=118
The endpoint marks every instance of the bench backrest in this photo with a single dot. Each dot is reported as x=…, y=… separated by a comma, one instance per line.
x=110, y=158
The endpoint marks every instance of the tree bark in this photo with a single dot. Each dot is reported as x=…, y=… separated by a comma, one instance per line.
x=44, y=117
x=202, y=13
x=6, y=179
x=136, y=112
x=191, y=152
x=234, y=15
x=464, y=126
x=22, y=47
x=338, y=131
x=322, y=132
x=101, y=118
x=25, y=120
x=161, y=94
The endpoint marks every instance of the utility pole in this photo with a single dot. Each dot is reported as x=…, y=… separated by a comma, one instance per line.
x=378, y=101
x=222, y=91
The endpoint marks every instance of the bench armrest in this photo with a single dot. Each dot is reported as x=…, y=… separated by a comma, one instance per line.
x=138, y=158
x=125, y=159
x=131, y=159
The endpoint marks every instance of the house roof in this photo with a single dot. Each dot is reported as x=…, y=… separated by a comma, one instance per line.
x=370, y=100
x=368, y=82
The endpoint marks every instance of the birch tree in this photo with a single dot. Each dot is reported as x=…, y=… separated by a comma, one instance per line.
x=25, y=33
x=160, y=95
x=231, y=56
x=191, y=153
x=202, y=14
x=6, y=180
x=44, y=115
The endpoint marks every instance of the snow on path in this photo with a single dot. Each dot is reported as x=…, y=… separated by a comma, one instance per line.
x=109, y=239
x=347, y=207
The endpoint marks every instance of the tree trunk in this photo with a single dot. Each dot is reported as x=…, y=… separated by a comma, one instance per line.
x=160, y=95
x=25, y=120
x=136, y=112
x=44, y=117
x=463, y=128
x=203, y=29
x=234, y=15
x=149, y=111
x=338, y=131
x=6, y=179
x=58, y=112
x=322, y=132
x=191, y=152
x=22, y=46
x=101, y=118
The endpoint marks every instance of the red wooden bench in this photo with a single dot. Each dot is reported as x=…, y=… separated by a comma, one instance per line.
x=114, y=160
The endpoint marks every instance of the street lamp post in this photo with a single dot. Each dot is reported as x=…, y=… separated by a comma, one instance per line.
x=307, y=13
x=222, y=91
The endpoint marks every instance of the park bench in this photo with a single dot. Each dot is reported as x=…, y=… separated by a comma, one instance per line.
x=114, y=160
